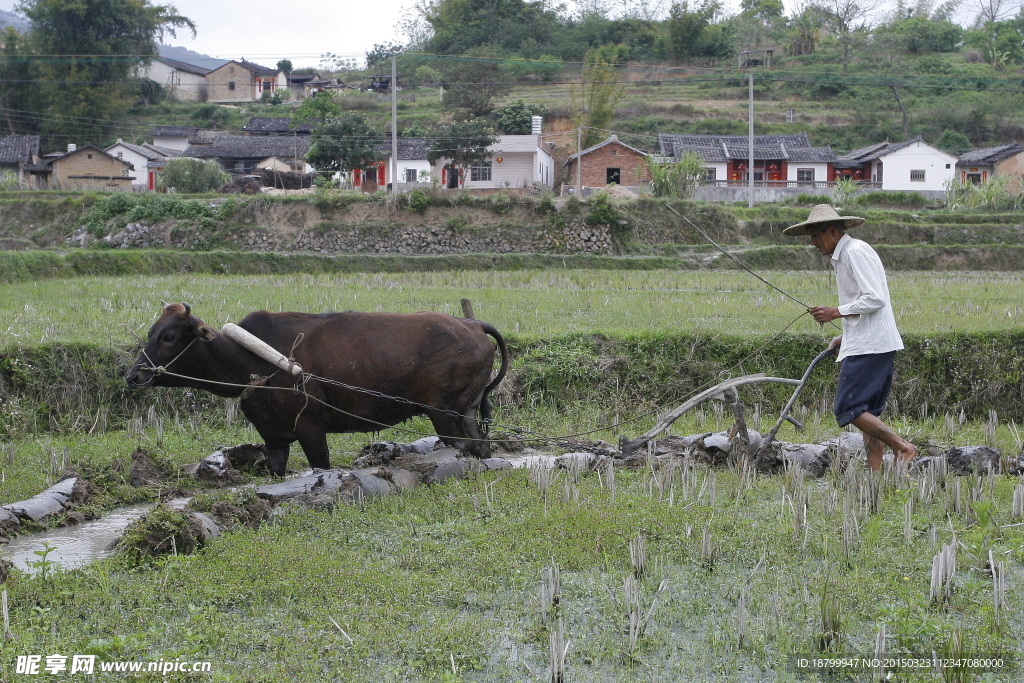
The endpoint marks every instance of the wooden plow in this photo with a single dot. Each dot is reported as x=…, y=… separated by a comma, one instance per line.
x=728, y=393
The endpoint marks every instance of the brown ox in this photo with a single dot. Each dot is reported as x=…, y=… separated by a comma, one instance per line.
x=438, y=363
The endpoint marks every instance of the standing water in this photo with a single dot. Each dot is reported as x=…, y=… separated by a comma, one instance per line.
x=73, y=546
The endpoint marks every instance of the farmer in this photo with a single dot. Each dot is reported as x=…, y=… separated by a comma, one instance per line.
x=870, y=340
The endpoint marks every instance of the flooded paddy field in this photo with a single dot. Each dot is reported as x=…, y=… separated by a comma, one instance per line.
x=688, y=574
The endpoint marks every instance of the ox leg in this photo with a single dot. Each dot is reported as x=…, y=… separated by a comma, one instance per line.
x=277, y=455
x=449, y=428
x=314, y=445
x=478, y=446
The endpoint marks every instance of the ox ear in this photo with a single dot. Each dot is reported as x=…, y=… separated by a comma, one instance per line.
x=205, y=333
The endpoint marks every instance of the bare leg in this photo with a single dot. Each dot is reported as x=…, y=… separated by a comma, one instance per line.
x=876, y=434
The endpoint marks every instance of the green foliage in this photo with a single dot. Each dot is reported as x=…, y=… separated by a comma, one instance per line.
x=842, y=193
x=594, y=100
x=278, y=96
x=214, y=115
x=676, y=179
x=920, y=34
x=87, y=33
x=516, y=118
x=322, y=106
x=954, y=142
x=473, y=82
x=344, y=143
x=460, y=144
x=605, y=214
x=162, y=531
x=193, y=176
x=285, y=65
x=692, y=33
x=545, y=67
x=999, y=193
x=419, y=201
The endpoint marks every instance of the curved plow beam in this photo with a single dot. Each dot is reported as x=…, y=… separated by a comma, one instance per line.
x=716, y=392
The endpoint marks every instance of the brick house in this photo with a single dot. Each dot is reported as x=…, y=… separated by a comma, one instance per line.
x=609, y=162
x=242, y=81
x=88, y=168
x=242, y=154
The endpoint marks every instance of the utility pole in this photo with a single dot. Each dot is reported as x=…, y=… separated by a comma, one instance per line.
x=750, y=140
x=579, y=159
x=394, y=121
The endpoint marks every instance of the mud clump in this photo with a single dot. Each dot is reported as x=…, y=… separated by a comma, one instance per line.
x=232, y=510
x=145, y=470
x=5, y=569
x=162, y=531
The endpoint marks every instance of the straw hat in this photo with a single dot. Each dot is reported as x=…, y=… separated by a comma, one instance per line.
x=822, y=213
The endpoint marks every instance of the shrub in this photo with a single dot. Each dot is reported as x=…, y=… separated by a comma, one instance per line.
x=193, y=176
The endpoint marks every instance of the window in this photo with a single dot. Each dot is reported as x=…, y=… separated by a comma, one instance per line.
x=917, y=176
x=89, y=155
x=410, y=175
x=615, y=152
x=974, y=178
x=613, y=175
x=480, y=171
x=231, y=85
x=710, y=175
x=947, y=165
x=805, y=176
x=120, y=155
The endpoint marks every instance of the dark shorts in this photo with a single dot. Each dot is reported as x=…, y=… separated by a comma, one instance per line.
x=864, y=384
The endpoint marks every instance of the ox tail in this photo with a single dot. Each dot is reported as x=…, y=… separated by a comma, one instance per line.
x=485, y=402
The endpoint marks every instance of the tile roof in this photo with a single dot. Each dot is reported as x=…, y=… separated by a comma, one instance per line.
x=173, y=131
x=276, y=124
x=409, y=149
x=18, y=149
x=184, y=66
x=763, y=150
x=872, y=152
x=257, y=69
x=667, y=140
x=142, y=150
x=990, y=155
x=611, y=138
x=250, y=147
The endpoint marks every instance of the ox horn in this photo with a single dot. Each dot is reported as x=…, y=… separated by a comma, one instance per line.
x=188, y=310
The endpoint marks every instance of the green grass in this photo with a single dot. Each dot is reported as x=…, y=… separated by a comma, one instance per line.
x=441, y=583
x=526, y=303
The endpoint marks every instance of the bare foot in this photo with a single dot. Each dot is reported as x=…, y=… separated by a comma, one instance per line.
x=907, y=453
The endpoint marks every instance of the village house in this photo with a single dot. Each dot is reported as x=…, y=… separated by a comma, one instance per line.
x=307, y=85
x=187, y=82
x=979, y=165
x=913, y=165
x=242, y=81
x=611, y=162
x=140, y=156
x=275, y=125
x=779, y=160
x=242, y=154
x=173, y=137
x=517, y=162
x=88, y=168
x=413, y=166
x=17, y=154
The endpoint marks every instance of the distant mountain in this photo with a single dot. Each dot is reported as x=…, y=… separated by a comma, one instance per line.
x=12, y=19
x=183, y=54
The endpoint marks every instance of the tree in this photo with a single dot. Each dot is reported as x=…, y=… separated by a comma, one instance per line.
x=86, y=86
x=473, y=81
x=678, y=178
x=691, y=32
x=192, y=176
x=846, y=16
x=516, y=118
x=594, y=101
x=285, y=65
x=461, y=144
x=343, y=144
x=954, y=142
x=380, y=54
x=320, y=106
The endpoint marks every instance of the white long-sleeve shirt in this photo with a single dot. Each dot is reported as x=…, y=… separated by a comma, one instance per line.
x=869, y=325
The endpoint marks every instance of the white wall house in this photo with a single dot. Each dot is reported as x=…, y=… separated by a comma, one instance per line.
x=413, y=166
x=916, y=166
x=138, y=156
x=517, y=162
x=913, y=165
x=173, y=137
x=187, y=82
x=797, y=171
